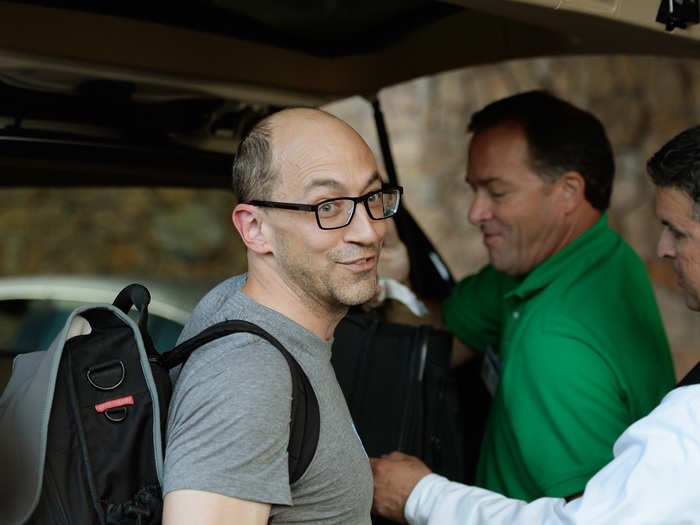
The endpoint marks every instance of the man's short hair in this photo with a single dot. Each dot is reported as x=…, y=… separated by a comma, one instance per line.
x=677, y=165
x=253, y=172
x=561, y=138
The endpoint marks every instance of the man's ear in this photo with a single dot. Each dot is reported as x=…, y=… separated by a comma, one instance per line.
x=249, y=221
x=571, y=188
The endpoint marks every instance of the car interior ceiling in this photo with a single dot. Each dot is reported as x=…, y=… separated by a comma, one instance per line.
x=321, y=50
x=321, y=28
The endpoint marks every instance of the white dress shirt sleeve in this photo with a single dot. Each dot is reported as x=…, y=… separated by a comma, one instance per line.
x=654, y=479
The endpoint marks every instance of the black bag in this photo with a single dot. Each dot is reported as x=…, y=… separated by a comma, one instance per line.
x=400, y=390
x=82, y=424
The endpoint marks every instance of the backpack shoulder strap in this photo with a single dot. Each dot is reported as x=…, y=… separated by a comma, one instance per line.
x=305, y=418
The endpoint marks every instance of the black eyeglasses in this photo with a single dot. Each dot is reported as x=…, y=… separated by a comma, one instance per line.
x=332, y=214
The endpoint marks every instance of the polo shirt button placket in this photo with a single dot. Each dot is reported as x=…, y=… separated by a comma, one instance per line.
x=516, y=314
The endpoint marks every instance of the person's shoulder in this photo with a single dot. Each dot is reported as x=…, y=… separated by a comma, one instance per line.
x=235, y=366
x=218, y=296
x=615, y=254
x=617, y=275
x=623, y=248
x=241, y=351
x=214, y=306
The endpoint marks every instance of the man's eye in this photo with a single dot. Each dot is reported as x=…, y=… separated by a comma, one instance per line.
x=373, y=198
x=328, y=208
x=674, y=233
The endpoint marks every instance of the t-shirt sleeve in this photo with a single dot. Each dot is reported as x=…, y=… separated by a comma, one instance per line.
x=473, y=310
x=228, y=425
x=572, y=409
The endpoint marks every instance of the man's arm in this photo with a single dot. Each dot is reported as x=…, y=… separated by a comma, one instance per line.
x=196, y=507
x=223, y=456
x=406, y=491
x=438, y=501
x=653, y=479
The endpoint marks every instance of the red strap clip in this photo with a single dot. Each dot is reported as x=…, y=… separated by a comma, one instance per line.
x=114, y=403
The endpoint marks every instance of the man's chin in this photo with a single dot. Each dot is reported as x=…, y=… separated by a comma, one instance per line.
x=500, y=265
x=508, y=268
x=357, y=300
x=358, y=294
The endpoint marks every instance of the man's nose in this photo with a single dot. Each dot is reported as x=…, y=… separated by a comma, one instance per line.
x=480, y=209
x=665, y=248
x=362, y=228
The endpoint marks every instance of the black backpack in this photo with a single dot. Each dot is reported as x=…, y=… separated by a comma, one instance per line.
x=82, y=424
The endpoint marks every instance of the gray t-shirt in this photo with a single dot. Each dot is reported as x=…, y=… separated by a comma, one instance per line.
x=228, y=425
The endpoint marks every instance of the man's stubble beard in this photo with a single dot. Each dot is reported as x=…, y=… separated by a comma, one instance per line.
x=319, y=287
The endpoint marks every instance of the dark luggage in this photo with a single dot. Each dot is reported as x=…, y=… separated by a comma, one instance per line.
x=81, y=424
x=400, y=390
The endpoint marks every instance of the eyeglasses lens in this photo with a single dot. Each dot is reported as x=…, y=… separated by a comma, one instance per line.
x=338, y=213
x=335, y=214
x=390, y=200
x=375, y=203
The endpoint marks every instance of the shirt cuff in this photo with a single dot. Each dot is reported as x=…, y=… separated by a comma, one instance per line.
x=422, y=499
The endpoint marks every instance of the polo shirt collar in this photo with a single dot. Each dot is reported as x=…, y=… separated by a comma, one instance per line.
x=592, y=241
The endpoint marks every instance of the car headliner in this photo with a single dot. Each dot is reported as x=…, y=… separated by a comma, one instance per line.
x=294, y=52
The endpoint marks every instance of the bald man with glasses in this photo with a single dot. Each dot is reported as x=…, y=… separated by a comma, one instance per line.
x=310, y=213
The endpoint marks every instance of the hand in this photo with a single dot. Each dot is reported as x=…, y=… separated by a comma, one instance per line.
x=395, y=476
x=394, y=262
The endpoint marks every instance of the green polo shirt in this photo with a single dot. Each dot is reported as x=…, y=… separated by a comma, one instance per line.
x=583, y=355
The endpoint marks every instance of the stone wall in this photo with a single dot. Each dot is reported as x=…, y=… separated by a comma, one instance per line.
x=174, y=233
x=188, y=234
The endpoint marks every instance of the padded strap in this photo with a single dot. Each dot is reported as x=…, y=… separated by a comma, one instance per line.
x=305, y=420
x=135, y=295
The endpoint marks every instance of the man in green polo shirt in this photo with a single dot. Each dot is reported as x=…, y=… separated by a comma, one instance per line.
x=576, y=350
